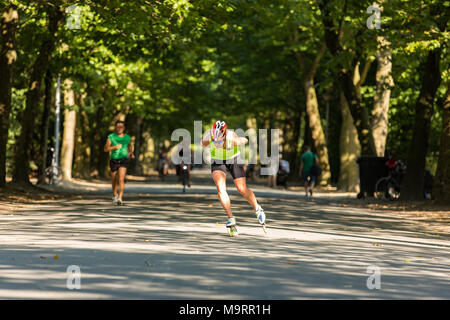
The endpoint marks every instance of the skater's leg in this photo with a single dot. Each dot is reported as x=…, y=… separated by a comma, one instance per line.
x=219, y=178
x=248, y=194
x=121, y=177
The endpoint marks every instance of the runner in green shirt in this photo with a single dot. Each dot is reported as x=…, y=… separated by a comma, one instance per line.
x=119, y=143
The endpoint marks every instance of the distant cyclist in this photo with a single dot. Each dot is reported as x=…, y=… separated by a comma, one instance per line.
x=224, y=158
x=183, y=170
x=119, y=143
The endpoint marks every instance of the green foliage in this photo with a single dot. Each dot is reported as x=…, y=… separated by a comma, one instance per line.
x=172, y=62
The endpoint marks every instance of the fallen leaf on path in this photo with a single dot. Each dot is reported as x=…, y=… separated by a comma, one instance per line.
x=42, y=257
x=376, y=244
x=56, y=257
x=292, y=262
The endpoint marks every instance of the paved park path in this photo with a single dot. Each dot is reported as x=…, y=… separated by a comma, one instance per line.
x=163, y=244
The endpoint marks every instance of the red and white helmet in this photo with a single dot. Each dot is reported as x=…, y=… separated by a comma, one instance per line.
x=219, y=131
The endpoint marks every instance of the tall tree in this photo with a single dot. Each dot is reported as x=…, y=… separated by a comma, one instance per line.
x=359, y=112
x=8, y=56
x=21, y=171
x=349, y=149
x=45, y=120
x=441, y=188
x=312, y=108
x=412, y=186
x=381, y=99
x=68, y=140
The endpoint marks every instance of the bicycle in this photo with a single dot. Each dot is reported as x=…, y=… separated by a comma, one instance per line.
x=388, y=188
x=184, y=168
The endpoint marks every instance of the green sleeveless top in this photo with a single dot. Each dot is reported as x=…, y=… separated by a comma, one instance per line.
x=225, y=153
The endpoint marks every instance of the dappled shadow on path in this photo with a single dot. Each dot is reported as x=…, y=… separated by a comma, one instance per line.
x=175, y=247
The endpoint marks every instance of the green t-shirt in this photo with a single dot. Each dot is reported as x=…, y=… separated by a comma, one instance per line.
x=308, y=159
x=124, y=141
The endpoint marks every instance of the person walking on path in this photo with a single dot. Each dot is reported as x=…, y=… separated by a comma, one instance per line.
x=307, y=161
x=119, y=143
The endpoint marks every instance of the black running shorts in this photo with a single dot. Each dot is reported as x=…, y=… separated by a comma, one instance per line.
x=115, y=164
x=235, y=169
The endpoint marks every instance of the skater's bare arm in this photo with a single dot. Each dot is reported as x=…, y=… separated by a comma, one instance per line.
x=206, y=138
x=109, y=148
x=237, y=141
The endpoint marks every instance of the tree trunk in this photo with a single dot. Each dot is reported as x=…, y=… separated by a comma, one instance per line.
x=44, y=127
x=412, y=186
x=33, y=97
x=137, y=146
x=98, y=160
x=82, y=156
x=312, y=109
x=307, y=135
x=349, y=146
x=318, y=136
x=382, y=96
x=359, y=113
x=291, y=135
x=349, y=149
x=441, y=189
x=8, y=56
x=68, y=139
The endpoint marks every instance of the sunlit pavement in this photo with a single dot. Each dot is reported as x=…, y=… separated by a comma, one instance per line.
x=163, y=244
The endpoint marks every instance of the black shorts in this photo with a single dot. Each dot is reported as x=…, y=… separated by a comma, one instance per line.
x=115, y=164
x=235, y=169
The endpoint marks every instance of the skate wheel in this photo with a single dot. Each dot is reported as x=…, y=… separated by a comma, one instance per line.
x=232, y=231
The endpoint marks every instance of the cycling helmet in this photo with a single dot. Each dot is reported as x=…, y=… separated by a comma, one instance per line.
x=219, y=131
